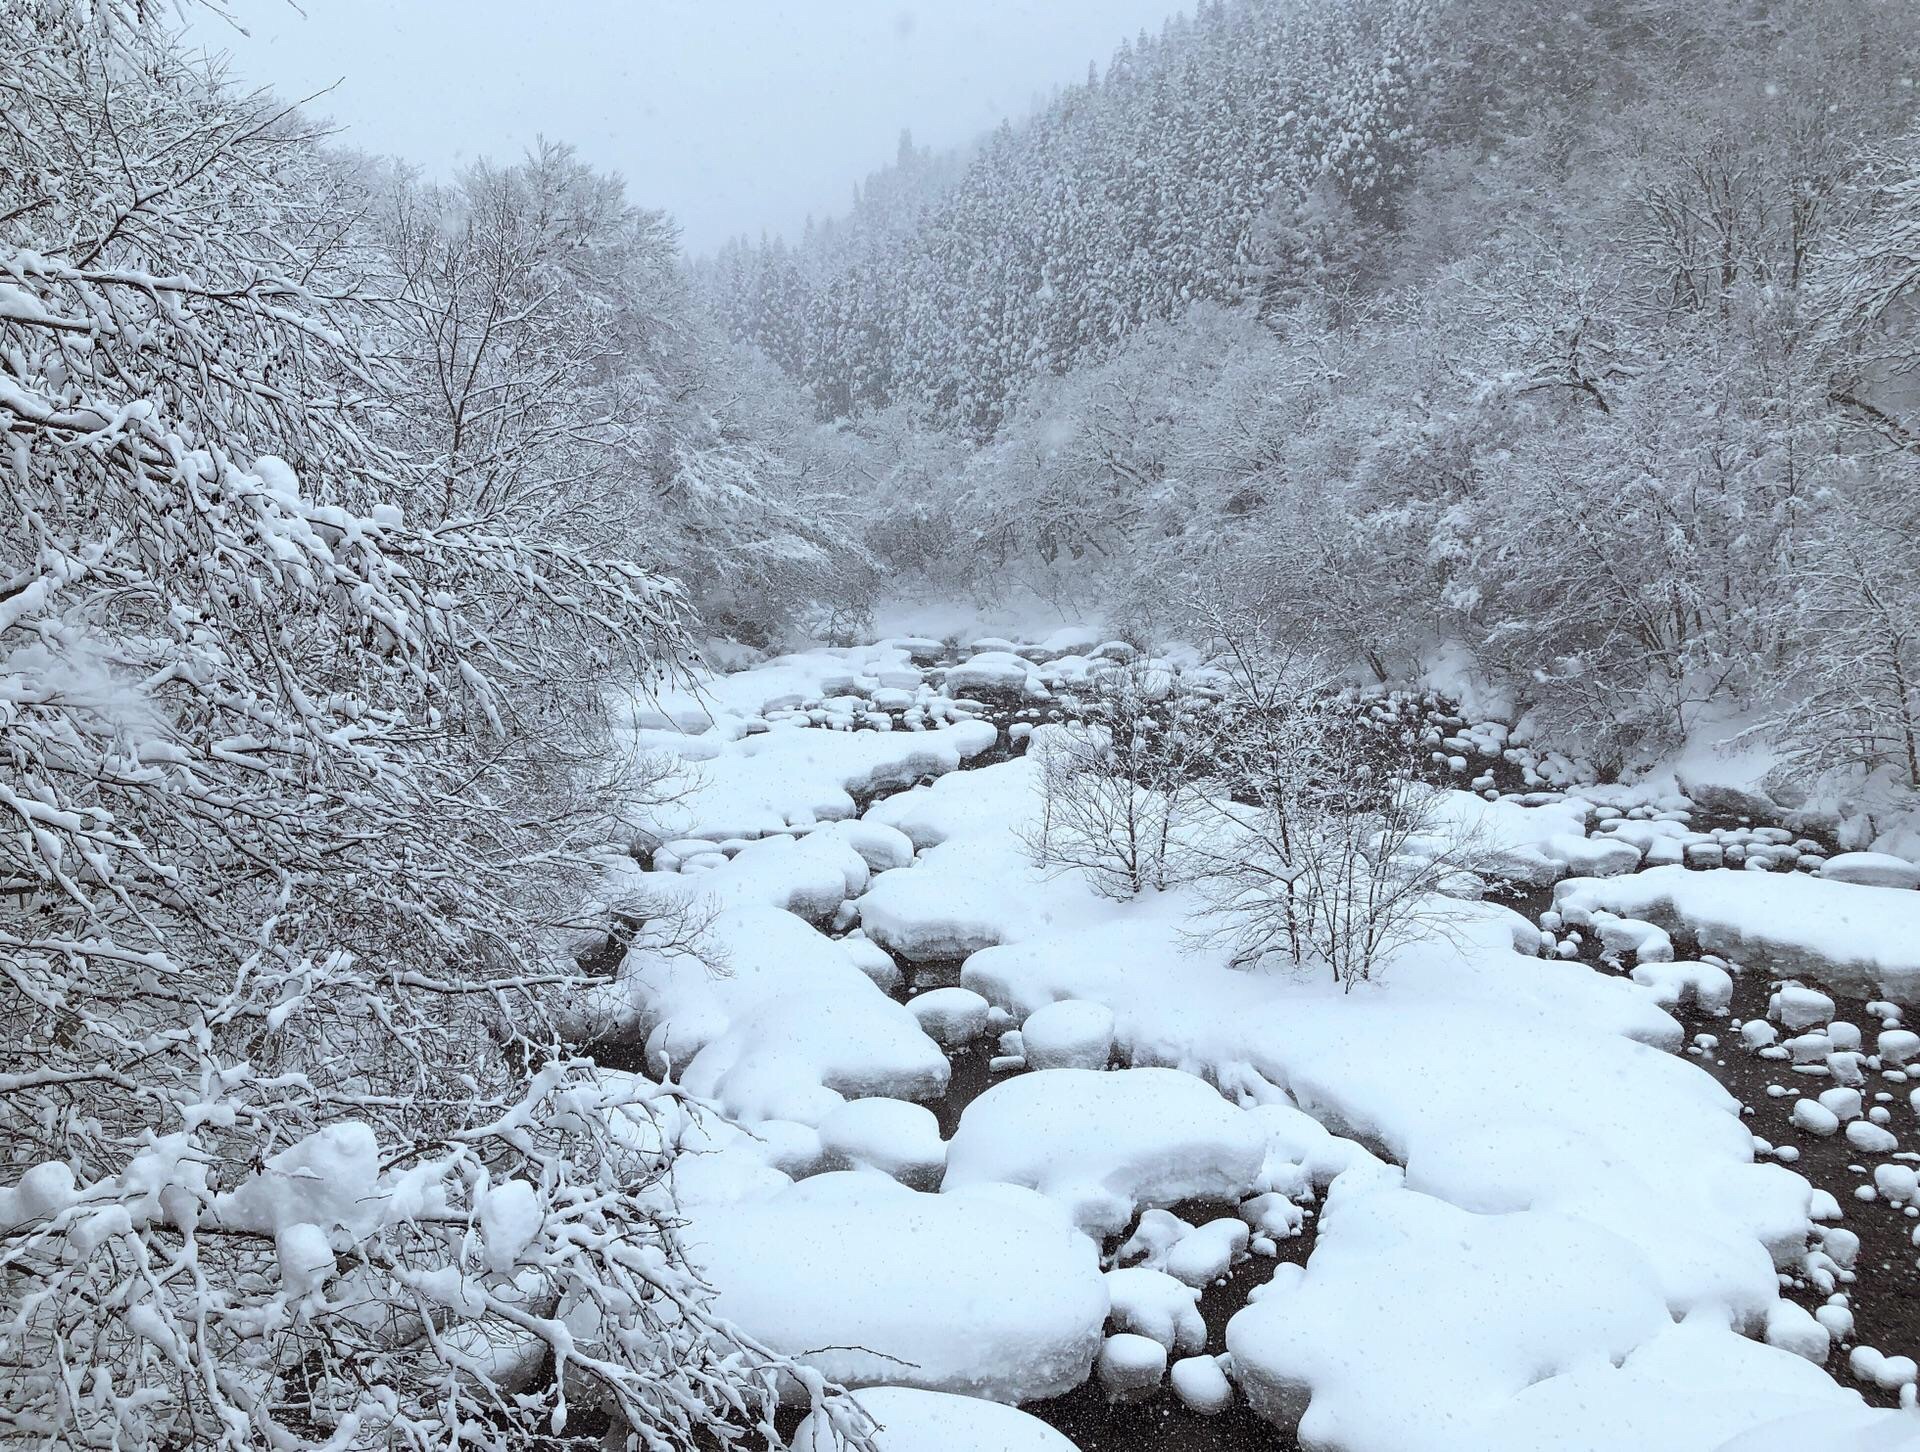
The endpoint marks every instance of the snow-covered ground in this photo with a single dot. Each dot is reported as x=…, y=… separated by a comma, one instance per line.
x=1534, y=1221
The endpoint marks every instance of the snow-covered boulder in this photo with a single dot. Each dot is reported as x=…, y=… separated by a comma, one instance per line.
x=1074, y=1033
x=907, y=1419
x=1201, y=1385
x=1463, y=1308
x=1796, y=1006
x=888, y=1135
x=950, y=1016
x=791, y=1026
x=1849, y=937
x=1871, y=869
x=1705, y=986
x=994, y=672
x=1131, y=1366
x=1152, y=1303
x=1209, y=1252
x=1105, y=1144
x=988, y=1293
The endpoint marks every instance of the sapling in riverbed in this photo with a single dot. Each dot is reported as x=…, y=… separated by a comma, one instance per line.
x=1331, y=852
x=1119, y=782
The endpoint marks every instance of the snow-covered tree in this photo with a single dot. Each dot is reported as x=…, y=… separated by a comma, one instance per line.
x=296, y=699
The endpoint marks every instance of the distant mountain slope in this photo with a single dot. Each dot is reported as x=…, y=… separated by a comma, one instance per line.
x=1171, y=179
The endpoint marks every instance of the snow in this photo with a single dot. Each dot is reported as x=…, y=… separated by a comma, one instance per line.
x=1537, y=1107
x=1205, y=1255
x=1853, y=938
x=974, y=884
x=1705, y=986
x=791, y=775
x=1501, y=1082
x=1466, y=1309
x=306, y=1259
x=1871, y=869
x=1530, y=843
x=1105, y=1144
x=993, y=670
x=1791, y=1327
x=951, y=1016
x=1201, y=1385
x=1797, y=1006
x=1870, y=1138
x=1071, y=1034
x=1815, y=1118
x=510, y=1216
x=989, y=1293
x=910, y=1420
x=1130, y=1365
x=1855, y=1430
x=888, y=1135
x=1152, y=1303
x=1502, y=1333
x=787, y=1025
x=330, y=1178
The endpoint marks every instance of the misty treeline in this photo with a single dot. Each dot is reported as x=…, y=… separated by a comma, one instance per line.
x=332, y=506
x=1578, y=338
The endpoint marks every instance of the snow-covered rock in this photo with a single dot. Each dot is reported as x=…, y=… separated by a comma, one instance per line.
x=1201, y=1385
x=790, y=1027
x=1869, y=1138
x=1074, y=1033
x=1704, y=986
x=1855, y=938
x=1792, y=1328
x=988, y=1293
x=1796, y=1006
x=996, y=672
x=1105, y=1144
x=1152, y=1303
x=1502, y=1333
x=1815, y=1118
x=888, y=1135
x=907, y=1419
x=1208, y=1253
x=1871, y=869
x=1898, y=1046
x=950, y=1016
x=1131, y=1366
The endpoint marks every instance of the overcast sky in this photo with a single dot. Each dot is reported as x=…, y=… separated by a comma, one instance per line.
x=735, y=115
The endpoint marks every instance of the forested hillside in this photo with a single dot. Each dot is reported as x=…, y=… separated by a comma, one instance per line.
x=1180, y=175
x=1572, y=337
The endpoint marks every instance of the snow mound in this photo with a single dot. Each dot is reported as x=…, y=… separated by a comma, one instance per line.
x=1858, y=939
x=1071, y=1034
x=773, y=1020
x=910, y=1420
x=1502, y=1333
x=996, y=671
x=1871, y=869
x=1104, y=1145
x=1464, y=1308
x=1153, y=1304
x=975, y=883
x=794, y=775
x=888, y=1135
x=951, y=1016
x=985, y=1294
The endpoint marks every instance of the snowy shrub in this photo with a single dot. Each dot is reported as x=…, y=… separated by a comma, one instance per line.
x=1329, y=851
x=1119, y=781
